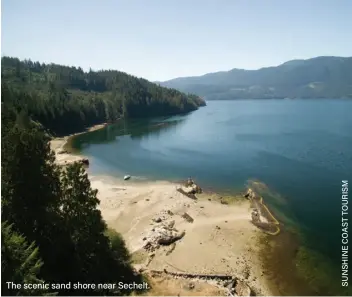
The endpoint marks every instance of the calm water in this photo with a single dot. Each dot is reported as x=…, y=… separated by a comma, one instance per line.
x=301, y=149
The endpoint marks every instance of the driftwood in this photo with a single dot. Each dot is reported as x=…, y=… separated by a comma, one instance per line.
x=189, y=195
x=188, y=218
x=194, y=275
x=234, y=284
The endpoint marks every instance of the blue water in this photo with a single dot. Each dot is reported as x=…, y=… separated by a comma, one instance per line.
x=301, y=149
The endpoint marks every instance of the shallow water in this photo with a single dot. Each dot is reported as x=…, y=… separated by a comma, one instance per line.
x=300, y=149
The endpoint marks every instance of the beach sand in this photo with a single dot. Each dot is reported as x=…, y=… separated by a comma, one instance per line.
x=220, y=240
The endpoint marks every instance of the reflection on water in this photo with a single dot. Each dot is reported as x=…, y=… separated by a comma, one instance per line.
x=136, y=129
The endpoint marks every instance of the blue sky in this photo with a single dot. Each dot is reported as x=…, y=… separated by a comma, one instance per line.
x=163, y=39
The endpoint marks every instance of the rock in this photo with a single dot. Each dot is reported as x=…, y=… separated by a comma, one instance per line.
x=167, y=239
x=147, y=199
x=242, y=289
x=171, y=224
x=225, y=221
x=250, y=194
x=189, y=182
x=217, y=227
x=202, y=207
x=157, y=220
x=209, y=199
x=144, y=238
x=191, y=286
x=169, y=212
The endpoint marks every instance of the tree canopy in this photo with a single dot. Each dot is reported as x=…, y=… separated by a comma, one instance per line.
x=52, y=231
x=67, y=99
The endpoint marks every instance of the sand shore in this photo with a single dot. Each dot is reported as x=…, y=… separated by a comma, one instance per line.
x=220, y=240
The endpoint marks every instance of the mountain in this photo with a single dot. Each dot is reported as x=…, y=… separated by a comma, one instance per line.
x=320, y=77
x=67, y=99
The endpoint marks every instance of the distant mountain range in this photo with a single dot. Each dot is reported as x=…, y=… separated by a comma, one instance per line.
x=320, y=77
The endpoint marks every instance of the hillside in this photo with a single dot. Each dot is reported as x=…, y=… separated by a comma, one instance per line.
x=321, y=77
x=67, y=99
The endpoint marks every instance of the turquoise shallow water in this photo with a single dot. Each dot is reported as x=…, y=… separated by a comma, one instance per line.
x=301, y=149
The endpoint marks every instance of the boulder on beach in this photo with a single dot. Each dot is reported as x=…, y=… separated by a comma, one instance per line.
x=250, y=194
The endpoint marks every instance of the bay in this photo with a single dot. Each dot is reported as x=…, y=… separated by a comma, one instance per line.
x=300, y=149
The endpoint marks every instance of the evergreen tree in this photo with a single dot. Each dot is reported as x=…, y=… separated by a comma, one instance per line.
x=20, y=264
x=56, y=209
x=66, y=99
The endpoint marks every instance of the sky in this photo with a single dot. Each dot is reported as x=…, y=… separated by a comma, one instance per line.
x=164, y=39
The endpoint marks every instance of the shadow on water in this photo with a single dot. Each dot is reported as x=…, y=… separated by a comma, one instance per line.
x=136, y=129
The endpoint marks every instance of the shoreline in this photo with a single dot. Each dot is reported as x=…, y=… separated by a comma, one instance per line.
x=220, y=239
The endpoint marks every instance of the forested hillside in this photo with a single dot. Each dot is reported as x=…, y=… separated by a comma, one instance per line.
x=320, y=77
x=52, y=231
x=67, y=99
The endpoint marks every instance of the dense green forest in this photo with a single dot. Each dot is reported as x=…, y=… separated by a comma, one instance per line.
x=320, y=77
x=51, y=229
x=67, y=99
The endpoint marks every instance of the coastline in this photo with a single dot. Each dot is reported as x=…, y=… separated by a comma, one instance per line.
x=221, y=238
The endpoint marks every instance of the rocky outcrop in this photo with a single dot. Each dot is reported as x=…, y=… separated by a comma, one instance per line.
x=162, y=233
x=170, y=237
x=250, y=194
x=189, y=189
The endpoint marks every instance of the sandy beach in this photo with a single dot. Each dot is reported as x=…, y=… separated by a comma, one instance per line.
x=218, y=239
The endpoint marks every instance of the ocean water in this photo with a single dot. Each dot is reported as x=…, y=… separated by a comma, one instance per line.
x=300, y=149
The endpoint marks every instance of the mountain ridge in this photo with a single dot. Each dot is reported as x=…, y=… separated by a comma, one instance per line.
x=319, y=77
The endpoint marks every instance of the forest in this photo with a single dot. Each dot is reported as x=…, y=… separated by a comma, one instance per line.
x=66, y=99
x=52, y=231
